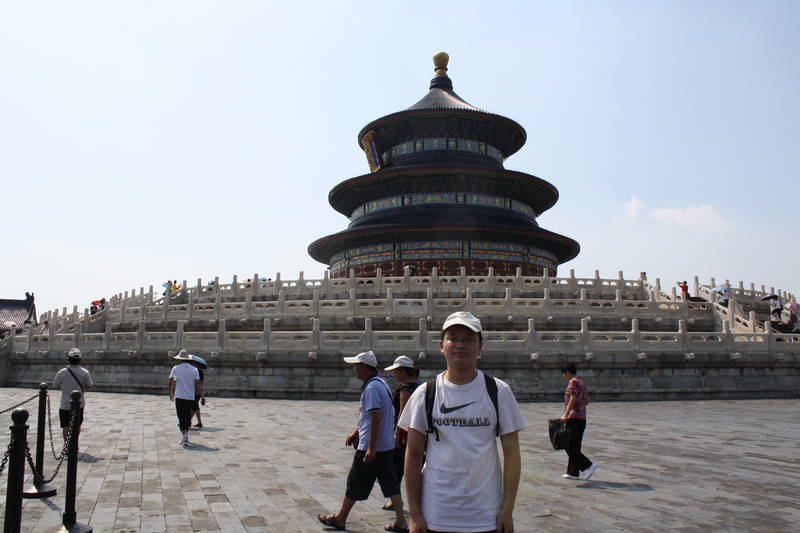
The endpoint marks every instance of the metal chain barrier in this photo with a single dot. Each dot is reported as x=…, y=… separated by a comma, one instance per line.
x=60, y=456
x=39, y=476
x=5, y=456
x=20, y=403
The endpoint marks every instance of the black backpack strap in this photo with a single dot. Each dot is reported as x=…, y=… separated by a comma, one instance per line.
x=491, y=389
x=430, y=397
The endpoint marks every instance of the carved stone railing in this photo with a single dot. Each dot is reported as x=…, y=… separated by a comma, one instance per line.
x=422, y=341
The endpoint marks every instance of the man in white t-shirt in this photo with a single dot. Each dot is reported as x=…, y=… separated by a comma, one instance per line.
x=68, y=379
x=460, y=488
x=184, y=380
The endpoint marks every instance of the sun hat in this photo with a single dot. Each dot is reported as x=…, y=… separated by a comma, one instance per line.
x=367, y=358
x=463, y=318
x=403, y=361
x=183, y=355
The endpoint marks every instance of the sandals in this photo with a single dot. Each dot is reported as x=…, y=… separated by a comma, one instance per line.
x=330, y=521
x=388, y=506
x=396, y=529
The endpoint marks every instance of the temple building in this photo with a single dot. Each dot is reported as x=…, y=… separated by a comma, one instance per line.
x=438, y=195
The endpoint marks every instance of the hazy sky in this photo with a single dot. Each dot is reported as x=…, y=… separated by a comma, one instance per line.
x=141, y=141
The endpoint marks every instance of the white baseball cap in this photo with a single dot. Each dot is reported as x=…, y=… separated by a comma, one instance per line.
x=403, y=361
x=368, y=358
x=74, y=353
x=463, y=318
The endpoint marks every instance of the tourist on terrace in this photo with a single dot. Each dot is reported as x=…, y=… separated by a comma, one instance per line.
x=184, y=380
x=68, y=379
x=576, y=398
x=407, y=377
x=374, y=443
x=776, y=308
x=684, y=290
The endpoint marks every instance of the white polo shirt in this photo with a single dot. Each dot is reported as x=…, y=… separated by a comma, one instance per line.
x=184, y=375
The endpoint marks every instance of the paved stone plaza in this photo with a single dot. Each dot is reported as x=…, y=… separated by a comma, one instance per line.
x=273, y=465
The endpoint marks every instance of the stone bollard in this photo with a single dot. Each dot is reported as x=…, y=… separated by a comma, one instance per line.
x=40, y=489
x=69, y=518
x=16, y=471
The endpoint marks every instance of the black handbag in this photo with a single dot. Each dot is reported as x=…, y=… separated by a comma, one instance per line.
x=559, y=433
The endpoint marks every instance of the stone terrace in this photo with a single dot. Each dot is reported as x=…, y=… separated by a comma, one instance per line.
x=273, y=465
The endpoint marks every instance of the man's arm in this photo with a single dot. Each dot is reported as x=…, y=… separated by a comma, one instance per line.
x=569, y=407
x=374, y=427
x=198, y=386
x=512, y=464
x=413, y=474
x=171, y=388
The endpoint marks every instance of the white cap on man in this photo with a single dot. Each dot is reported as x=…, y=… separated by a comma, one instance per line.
x=403, y=361
x=74, y=353
x=463, y=318
x=367, y=358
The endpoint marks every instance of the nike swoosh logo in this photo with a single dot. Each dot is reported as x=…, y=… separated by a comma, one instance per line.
x=446, y=410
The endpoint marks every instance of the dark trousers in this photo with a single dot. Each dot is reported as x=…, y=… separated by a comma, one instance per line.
x=184, y=410
x=577, y=461
x=399, y=462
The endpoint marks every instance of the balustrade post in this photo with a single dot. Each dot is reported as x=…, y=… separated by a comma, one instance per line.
x=378, y=279
x=190, y=305
x=683, y=339
x=179, y=334
x=107, y=335
x=584, y=305
x=752, y=321
x=266, y=334
x=40, y=489
x=490, y=278
x=16, y=471
x=254, y=287
x=422, y=339
x=586, y=338
x=696, y=286
x=509, y=303
x=636, y=334
x=281, y=302
x=462, y=277
x=78, y=330
x=351, y=303
x=531, y=341
x=141, y=334
x=429, y=307
x=435, y=278
x=301, y=282
x=469, y=304
x=315, y=303
x=315, y=335
x=368, y=341
x=326, y=276
x=248, y=300
x=221, y=330
x=235, y=286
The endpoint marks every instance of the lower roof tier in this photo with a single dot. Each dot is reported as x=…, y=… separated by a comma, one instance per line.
x=399, y=243
x=535, y=192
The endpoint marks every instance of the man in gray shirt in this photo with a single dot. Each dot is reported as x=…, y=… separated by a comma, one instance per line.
x=68, y=379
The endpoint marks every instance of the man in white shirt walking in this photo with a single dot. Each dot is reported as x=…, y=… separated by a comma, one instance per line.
x=68, y=379
x=184, y=380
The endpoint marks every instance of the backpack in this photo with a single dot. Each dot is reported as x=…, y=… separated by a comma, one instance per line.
x=430, y=396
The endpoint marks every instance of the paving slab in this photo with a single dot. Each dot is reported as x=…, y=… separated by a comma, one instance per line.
x=272, y=465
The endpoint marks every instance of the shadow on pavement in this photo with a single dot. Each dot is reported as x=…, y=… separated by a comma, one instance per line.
x=604, y=485
x=200, y=448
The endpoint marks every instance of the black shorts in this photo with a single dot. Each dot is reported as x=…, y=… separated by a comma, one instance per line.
x=64, y=416
x=362, y=476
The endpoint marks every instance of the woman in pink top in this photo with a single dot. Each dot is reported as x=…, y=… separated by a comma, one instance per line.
x=576, y=398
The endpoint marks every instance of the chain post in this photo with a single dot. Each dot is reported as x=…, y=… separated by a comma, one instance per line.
x=69, y=517
x=16, y=471
x=40, y=489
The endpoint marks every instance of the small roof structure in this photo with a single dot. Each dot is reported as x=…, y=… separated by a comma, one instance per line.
x=14, y=314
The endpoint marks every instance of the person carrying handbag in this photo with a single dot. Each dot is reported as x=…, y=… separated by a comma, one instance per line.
x=576, y=398
x=68, y=379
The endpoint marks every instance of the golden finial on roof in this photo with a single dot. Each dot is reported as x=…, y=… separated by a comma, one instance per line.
x=440, y=63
